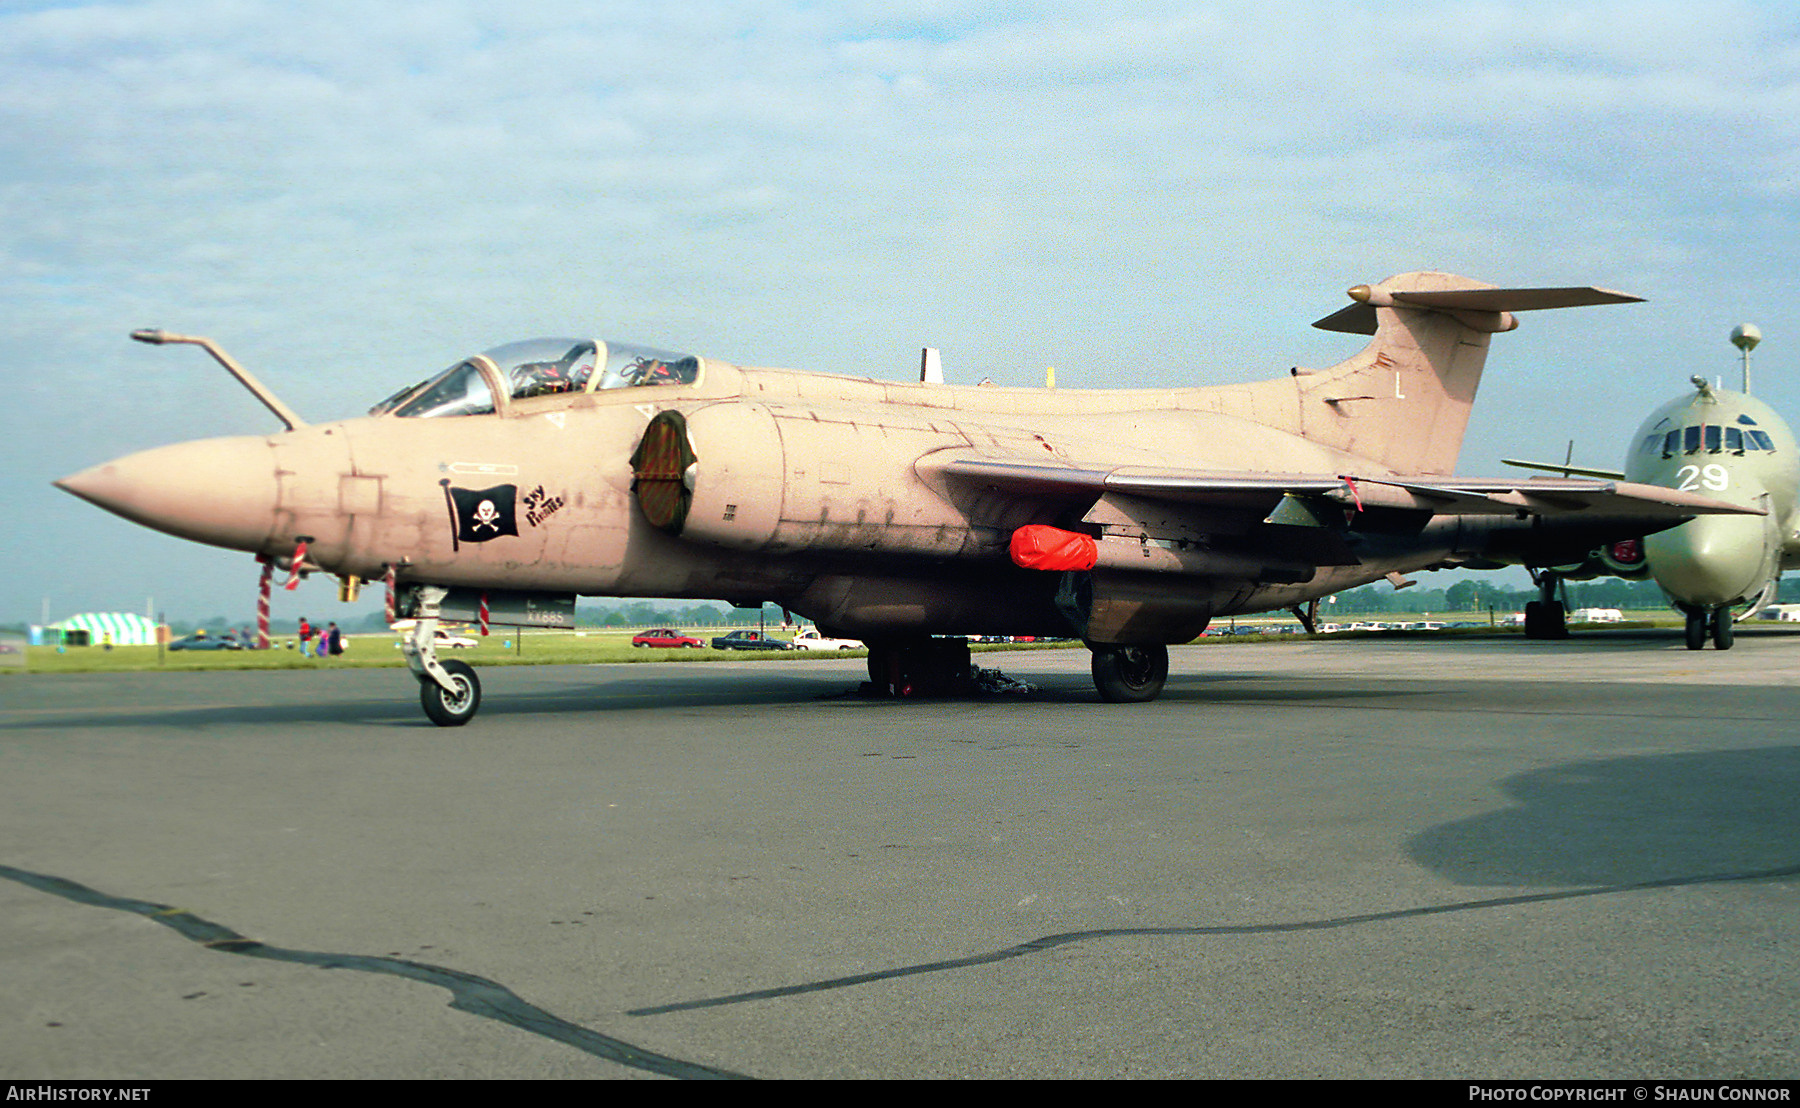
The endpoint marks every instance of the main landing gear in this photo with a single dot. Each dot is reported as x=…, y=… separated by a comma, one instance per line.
x=1714, y=623
x=920, y=667
x=1546, y=617
x=1123, y=673
x=1130, y=674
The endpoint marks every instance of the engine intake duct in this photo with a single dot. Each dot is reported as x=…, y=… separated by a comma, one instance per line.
x=662, y=472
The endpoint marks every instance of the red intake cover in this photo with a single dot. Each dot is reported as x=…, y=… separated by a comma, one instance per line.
x=1036, y=546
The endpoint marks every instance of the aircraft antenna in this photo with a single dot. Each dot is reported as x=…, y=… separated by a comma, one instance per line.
x=1745, y=336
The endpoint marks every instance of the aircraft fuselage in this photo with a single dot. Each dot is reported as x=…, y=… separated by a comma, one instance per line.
x=1735, y=448
x=827, y=504
x=893, y=512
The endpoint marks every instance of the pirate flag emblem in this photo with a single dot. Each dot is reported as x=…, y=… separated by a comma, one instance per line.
x=483, y=514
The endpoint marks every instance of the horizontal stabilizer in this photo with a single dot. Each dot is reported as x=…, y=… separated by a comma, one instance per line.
x=1565, y=469
x=1515, y=300
x=1360, y=318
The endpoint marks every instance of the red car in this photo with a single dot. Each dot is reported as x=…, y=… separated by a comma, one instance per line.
x=663, y=637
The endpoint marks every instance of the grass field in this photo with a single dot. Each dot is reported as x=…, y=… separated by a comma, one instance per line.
x=505, y=648
x=366, y=651
x=379, y=651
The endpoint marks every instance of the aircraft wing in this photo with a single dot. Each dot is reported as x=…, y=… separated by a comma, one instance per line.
x=1434, y=494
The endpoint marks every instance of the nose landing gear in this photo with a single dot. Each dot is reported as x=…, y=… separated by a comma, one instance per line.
x=449, y=691
x=456, y=704
x=1715, y=623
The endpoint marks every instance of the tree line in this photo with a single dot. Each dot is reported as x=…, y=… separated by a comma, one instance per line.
x=1471, y=594
x=1480, y=594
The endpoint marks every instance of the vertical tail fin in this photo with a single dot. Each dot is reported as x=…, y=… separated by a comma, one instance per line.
x=1404, y=399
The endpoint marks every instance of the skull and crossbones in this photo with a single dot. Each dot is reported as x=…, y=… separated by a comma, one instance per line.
x=486, y=515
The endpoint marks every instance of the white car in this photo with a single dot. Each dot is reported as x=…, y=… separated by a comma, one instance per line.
x=810, y=639
x=444, y=640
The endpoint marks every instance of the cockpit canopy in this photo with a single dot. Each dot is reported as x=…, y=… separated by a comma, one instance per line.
x=1709, y=438
x=539, y=367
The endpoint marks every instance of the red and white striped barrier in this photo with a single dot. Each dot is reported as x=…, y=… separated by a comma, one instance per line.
x=262, y=602
x=293, y=581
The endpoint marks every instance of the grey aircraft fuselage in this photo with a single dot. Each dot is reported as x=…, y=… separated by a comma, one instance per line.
x=1712, y=442
x=1734, y=448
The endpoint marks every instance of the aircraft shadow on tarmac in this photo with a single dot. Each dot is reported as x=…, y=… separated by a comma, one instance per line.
x=590, y=693
x=1626, y=821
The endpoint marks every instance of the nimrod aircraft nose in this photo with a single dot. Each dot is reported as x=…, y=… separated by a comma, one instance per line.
x=217, y=491
x=1710, y=560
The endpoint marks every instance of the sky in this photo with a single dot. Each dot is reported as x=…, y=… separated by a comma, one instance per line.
x=351, y=196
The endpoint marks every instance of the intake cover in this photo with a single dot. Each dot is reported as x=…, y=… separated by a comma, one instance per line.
x=659, y=472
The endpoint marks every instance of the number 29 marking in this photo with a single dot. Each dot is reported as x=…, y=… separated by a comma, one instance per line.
x=1713, y=478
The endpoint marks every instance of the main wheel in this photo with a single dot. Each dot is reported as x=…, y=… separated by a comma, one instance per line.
x=448, y=709
x=1546, y=619
x=1130, y=674
x=1696, y=628
x=1722, y=628
x=1534, y=619
x=1557, y=617
x=881, y=669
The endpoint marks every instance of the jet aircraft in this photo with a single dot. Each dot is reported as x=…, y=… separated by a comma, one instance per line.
x=1723, y=444
x=900, y=514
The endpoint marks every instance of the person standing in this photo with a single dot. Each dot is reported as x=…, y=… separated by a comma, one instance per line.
x=306, y=633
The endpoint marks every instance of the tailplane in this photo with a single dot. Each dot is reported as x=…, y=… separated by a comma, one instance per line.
x=1404, y=399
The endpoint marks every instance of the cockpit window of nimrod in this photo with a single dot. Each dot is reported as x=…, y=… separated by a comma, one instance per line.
x=1709, y=438
x=539, y=367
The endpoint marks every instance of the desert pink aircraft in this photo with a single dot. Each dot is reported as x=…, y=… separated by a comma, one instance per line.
x=899, y=514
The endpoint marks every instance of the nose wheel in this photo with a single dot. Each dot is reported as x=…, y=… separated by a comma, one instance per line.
x=449, y=691
x=456, y=705
x=1715, y=624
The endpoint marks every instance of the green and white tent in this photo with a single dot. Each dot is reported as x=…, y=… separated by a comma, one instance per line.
x=126, y=628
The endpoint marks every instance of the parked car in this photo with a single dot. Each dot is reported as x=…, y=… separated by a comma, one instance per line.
x=810, y=639
x=444, y=640
x=749, y=640
x=200, y=640
x=664, y=638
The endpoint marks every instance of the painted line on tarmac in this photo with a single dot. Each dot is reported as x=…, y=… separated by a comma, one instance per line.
x=1051, y=942
x=469, y=993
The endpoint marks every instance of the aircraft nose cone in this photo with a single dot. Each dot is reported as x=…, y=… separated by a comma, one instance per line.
x=1710, y=560
x=217, y=491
